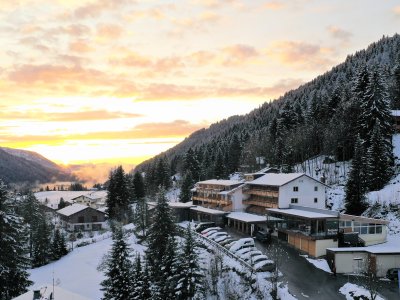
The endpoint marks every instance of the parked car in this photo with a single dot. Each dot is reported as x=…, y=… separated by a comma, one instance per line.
x=263, y=236
x=264, y=265
x=241, y=252
x=227, y=241
x=242, y=243
x=249, y=255
x=211, y=232
x=209, y=229
x=204, y=225
x=217, y=234
x=393, y=273
x=258, y=258
x=229, y=245
x=221, y=238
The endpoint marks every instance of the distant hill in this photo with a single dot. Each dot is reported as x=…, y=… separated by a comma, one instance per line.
x=318, y=118
x=18, y=166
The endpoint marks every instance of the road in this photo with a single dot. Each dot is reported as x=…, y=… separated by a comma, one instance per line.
x=308, y=282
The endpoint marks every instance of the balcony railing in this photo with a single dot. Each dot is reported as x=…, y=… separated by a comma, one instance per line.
x=264, y=202
x=215, y=200
x=261, y=192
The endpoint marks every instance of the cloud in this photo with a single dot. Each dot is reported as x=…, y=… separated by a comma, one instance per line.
x=274, y=5
x=174, y=129
x=80, y=46
x=238, y=54
x=94, y=115
x=96, y=8
x=300, y=54
x=339, y=33
x=106, y=32
x=396, y=10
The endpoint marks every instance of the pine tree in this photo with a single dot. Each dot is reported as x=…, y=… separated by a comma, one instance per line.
x=187, y=185
x=395, y=94
x=59, y=246
x=235, y=149
x=118, y=195
x=138, y=185
x=356, y=183
x=191, y=163
x=375, y=106
x=13, y=252
x=118, y=273
x=190, y=282
x=141, y=218
x=159, y=234
x=41, y=254
x=219, y=166
x=32, y=214
x=163, y=174
x=165, y=284
x=379, y=170
x=137, y=279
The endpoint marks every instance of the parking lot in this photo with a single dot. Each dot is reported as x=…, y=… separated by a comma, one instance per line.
x=307, y=282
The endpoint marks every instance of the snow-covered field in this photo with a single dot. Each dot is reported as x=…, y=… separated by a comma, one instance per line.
x=77, y=271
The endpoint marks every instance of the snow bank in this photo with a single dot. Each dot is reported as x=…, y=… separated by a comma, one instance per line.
x=351, y=291
x=320, y=263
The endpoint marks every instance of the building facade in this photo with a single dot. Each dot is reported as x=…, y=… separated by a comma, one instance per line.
x=78, y=217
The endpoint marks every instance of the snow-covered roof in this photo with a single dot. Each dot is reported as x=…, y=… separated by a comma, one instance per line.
x=46, y=291
x=232, y=190
x=276, y=179
x=180, y=204
x=301, y=213
x=392, y=246
x=208, y=210
x=363, y=219
x=246, y=217
x=72, y=209
x=220, y=182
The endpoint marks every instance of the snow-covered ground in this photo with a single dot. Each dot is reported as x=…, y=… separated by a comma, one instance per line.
x=77, y=271
x=52, y=198
x=351, y=291
x=319, y=263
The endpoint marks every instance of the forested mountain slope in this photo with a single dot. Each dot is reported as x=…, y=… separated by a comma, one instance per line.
x=17, y=166
x=320, y=117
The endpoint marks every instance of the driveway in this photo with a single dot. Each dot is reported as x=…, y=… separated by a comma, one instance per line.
x=308, y=282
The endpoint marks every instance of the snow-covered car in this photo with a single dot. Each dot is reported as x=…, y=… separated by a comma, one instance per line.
x=202, y=226
x=249, y=255
x=211, y=232
x=217, y=234
x=242, y=243
x=221, y=238
x=258, y=258
x=227, y=241
x=209, y=229
x=266, y=265
x=229, y=245
x=241, y=252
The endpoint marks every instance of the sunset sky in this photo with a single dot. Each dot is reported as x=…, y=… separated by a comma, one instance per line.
x=120, y=81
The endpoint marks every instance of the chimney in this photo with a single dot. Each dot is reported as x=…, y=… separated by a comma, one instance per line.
x=36, y=295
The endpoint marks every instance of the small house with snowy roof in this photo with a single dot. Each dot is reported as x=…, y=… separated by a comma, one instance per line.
x=78, y=217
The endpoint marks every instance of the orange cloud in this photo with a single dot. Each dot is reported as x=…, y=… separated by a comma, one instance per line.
x=80, y=47
x=237, y=54
x=396, y=10
x=108, y=31
x=273, y=5
x=300, y=54
x=339, y=33
x=174, y=129
x=66, y=116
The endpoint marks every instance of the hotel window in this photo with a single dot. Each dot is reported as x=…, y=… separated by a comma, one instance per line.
x=294, y=200
x=315, y=200
x=315, y=189
x=295, y=189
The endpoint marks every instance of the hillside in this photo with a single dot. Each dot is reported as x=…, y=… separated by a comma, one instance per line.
x=318, y=118
x=20, y=166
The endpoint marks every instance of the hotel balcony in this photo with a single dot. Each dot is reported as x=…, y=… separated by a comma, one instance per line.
x=270, y=202
x=261, y=192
